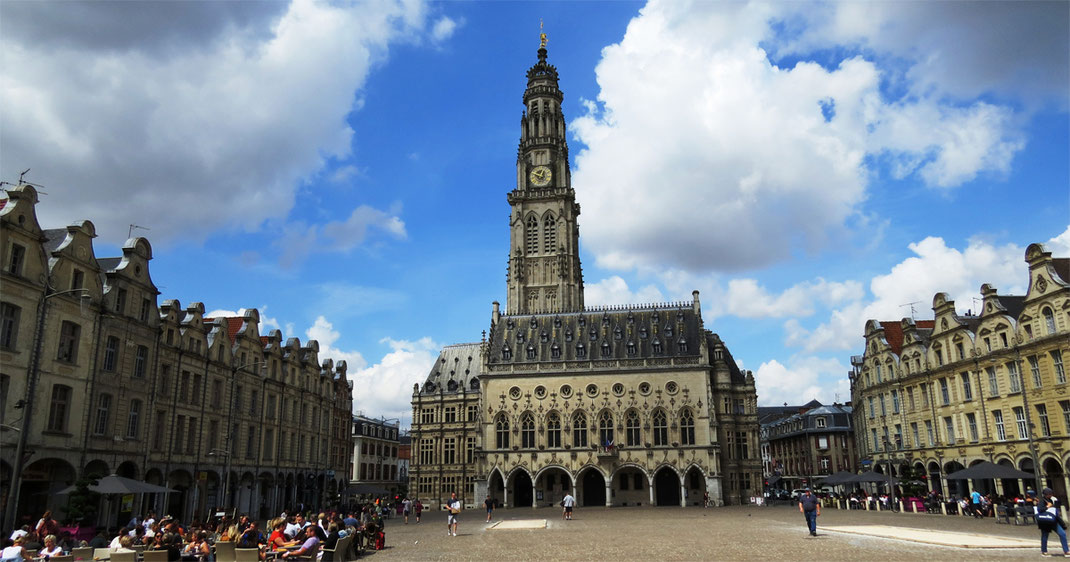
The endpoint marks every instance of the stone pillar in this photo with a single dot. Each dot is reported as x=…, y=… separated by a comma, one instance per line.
x=999, y=486
x=609, y=493
x=482, y=489
x=650, y=488
x=683, y=495
x=1021, y=487
x=505, y=496
x=713, y=484
x=534, y=496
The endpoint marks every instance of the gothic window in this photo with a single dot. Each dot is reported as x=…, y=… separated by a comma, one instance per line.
x=579, y=430
x=605, y=428
x=606, y=351
x=581, y=351
x=631, y=428
x=501, y=427
x=553, y=430
x=687, y=427
x=549, y=234
x=527, y=431
x=661, y=432
x=532, y=236
x=655, y=346
x=533, y=300
x=682, y=345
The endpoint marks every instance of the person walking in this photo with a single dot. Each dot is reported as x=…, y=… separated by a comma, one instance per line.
x=1048, y=520
x=406, y=506
x=489, y=505
x=453, y=506
x=419, y=508
x=975, y=504
x=568, y=502
x=810, y=507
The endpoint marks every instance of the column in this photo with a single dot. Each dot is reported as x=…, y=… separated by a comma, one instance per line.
x=650, y=488
x=609, y=493
x=683, y=495
x=534, y=496
x=505, y=496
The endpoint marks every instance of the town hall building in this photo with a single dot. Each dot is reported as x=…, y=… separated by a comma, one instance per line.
x=621, y=405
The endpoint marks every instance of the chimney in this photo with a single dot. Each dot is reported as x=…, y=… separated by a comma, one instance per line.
x=694, y=302
x=495, y=314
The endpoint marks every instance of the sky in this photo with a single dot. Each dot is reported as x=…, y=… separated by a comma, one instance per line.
x=343, y=167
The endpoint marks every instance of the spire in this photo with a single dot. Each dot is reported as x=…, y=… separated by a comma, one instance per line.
x=542, y=43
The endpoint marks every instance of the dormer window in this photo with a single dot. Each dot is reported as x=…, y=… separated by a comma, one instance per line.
x=568, y=335
x=594, y=334
x=642, y=333
x=617, y=334
x=606, y=350
x=534, y=323
x=682, y=345
x=655, y=346
x=1003, y=338
x=452, y=385
x=668, y=331
x=474, y=384
x=631, y=349
x=507, y=353
x=655, y=318
x=581, y=351
x=605, y=320
x=531, y=352
x=555, y=351
x=520, y=337
x=544, y=337
x=557, y=322
x=582, y=322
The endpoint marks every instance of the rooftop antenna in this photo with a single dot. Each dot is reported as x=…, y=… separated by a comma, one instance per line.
x=912, y=310
x=22, y=180
x=130, y=231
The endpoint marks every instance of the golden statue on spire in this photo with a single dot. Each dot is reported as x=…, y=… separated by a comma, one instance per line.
x=542, y=36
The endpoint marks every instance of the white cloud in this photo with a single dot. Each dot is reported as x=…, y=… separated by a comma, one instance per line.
x=614, y=290
x=732, y=158
x=211, y=126
x=443, y=29
x=267, y=323
x=351, y=232
x=934, y=268
x=802, y=380
x=385, y=388
x=747, y=299
x=324, y=333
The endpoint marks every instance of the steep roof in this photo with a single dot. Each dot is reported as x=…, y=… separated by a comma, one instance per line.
x=1062, y=267
x=53, y=238
x=893, y=332
x=1013, y=303
x=457, y=368
x=109, y=264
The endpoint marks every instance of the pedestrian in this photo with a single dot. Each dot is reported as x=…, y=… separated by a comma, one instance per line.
x=810, y=507
x=975, y=504
x=567, y=503
x=705, y=499
x=454, y=508
x=406, y=506
x=1048, y=520
x=489, y=504
x=419, y=508
x=1049, y=495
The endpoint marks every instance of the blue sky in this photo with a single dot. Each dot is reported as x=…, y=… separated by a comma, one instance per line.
x=343, y=167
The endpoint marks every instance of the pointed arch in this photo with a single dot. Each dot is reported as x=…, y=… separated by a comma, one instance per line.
x=579, y=429
x=549, y=233
x=501, y=429
x=660, y=423
x=687, y=427
x=527, y=430
x=553, y=430
x=531, y=235
x=632, y=431
x=605, y=428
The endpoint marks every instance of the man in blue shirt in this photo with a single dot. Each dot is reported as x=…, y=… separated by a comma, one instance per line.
x=810, y=507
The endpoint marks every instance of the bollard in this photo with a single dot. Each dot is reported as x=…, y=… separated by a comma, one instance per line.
x=867, y=504
x=902, y=507
x=943, y=508
x=878, y=504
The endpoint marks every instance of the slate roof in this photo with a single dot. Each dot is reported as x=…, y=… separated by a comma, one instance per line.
x=597, y=330
x=457, y=367
x=109, y=264
x=1062, y=267
x=1013, y=303
x=53, y=238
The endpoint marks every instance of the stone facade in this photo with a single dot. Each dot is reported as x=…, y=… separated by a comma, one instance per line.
x=150, y=391
x=376, y=458
x=801, y=447
x=620, y=405
x=943, y=394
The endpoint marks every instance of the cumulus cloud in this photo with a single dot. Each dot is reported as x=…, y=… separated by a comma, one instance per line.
x=934, y=268
x=695, y=121
x=267, y=323
x=443, y=29
x=803, y=379
x=385, y=388
x=324, y=333
x=614, y=290
x=196, y=115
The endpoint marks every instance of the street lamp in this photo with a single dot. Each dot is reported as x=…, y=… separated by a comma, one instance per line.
x=31, y=388
x=230, y=425
x=226, y=472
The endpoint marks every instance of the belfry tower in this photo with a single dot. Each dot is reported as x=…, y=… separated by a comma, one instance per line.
x=544, y=274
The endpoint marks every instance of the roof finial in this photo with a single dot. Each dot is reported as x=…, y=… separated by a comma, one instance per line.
x=542, y=36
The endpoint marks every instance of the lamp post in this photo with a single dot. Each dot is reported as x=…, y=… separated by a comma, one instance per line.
x=230, y=426
x=1025, y=405
x=31, y=388
x=226, y=472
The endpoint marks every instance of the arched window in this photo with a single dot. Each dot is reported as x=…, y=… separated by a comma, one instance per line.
x=631, y=428
x=682, y=345
x=661, y=431
x=502, y=428
x=655, y=346
x=549, y=234
x=555, y=351
x=687, y=427
x=579, y=430
x=605, y=429
x=1049, y=320
x=507, y=353
x=553, y=430
x=532, y=236
x=606, y=351
x=581, y=351
x=531, y=352
x=631, y=349
x=527, y=431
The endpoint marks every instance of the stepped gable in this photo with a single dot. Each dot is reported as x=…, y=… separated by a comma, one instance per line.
x=669, y=324
x=457, y=369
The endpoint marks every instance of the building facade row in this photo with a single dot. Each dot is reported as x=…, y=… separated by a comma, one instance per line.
x=802, y=444
x=935, y=396
x=98, y=377
x=376, y=455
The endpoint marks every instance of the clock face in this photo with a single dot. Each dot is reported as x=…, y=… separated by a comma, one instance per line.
x=540, y=176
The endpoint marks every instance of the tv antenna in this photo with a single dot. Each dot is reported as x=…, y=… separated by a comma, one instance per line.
x=130, y=231
x=22, y=180
x=913, y=311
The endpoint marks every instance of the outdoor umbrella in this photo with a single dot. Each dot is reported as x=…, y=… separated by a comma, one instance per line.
x=116, y=484
x=985, y=470
x=874, y=477
x=842, y=477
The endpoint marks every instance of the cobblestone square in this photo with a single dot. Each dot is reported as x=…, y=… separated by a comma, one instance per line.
x=729, y=533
